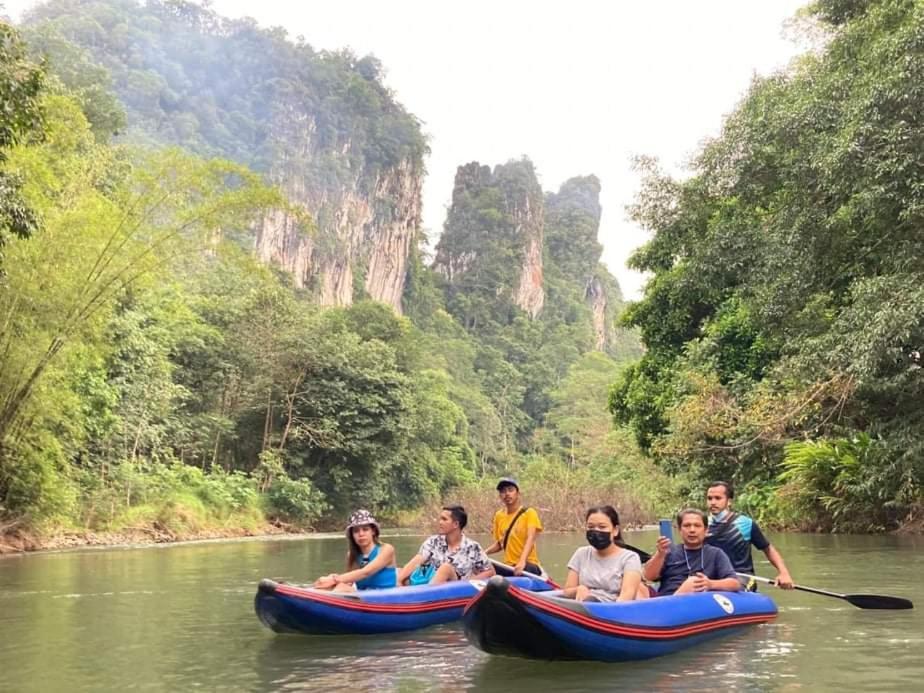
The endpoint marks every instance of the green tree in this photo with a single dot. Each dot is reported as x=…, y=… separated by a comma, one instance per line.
x=21, y=84
x=109, y=223
x=784, y=298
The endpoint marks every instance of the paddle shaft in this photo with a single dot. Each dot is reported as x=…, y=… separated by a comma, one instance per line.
x=813, y=590
x=644, y=556
x=507, y=571
x=861, y=601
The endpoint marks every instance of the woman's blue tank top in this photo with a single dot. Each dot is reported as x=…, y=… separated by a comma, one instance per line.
x=386, y=577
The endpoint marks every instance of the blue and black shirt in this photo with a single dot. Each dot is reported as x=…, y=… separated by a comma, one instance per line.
x=734, y=534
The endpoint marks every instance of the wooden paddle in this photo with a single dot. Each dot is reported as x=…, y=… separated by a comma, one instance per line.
x=861, y=601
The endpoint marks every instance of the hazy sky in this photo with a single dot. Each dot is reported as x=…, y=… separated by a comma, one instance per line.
x=578, y=86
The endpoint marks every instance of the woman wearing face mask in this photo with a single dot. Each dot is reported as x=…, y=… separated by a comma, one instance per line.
x=603, y=571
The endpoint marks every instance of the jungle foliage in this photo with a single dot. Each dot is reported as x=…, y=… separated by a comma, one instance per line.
x=154, y=373
x=784, y=318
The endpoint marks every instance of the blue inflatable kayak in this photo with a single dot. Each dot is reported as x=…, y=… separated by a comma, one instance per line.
x=287, y=608
x=504, y=619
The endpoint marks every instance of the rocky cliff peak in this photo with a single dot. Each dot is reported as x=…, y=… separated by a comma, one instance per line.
x=367, y=214
x=320, y=124
x=366, y=228
x=572, y=226
x=493, y=238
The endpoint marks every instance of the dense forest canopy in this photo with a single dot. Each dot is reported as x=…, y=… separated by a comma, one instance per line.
x=217, y=87
x=784, y=319
x=21, y=82
x=156, y=374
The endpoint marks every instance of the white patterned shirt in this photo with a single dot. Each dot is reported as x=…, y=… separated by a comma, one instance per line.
x=468, y=559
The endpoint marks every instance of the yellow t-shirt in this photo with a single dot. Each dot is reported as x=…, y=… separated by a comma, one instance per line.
x=518, y=536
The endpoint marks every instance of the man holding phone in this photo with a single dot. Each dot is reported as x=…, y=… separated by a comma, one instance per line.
x=690, y=566
x=734, y=533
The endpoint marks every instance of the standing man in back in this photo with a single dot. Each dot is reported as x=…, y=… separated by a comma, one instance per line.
x=515, y=530
x=734, y=533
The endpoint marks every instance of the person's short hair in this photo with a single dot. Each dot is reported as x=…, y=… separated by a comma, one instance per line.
x=729, y=489
x=458, y=514
x=692, y=511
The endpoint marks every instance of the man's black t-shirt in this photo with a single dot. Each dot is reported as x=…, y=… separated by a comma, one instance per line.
x=681, y=562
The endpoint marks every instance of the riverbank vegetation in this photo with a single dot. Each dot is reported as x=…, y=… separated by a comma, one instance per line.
x=158, y=378
x=784, y=318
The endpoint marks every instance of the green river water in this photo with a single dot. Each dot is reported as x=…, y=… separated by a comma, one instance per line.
x=180, y=618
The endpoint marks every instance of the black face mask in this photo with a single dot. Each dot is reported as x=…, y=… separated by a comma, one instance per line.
x=599, y=539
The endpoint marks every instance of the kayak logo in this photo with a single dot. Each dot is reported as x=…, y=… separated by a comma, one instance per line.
x=725, y=603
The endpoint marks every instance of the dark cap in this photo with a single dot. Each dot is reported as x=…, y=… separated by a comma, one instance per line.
x=507, y=481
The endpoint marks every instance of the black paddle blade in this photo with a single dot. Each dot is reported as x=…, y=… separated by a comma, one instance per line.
x=878, y=601
x=644, y=556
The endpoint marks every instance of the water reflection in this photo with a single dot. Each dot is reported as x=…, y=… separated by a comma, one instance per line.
x=722, y=664
x=399, y=662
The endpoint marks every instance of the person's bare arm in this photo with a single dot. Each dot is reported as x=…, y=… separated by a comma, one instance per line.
x=652, y=569
x=409, y=568
x=629, y=589
x=783, y=578
x=571, y=583
x=384, y=559
x=724, y=585
x=485, y=574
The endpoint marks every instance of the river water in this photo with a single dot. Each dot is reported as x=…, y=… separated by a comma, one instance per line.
x=180, y=618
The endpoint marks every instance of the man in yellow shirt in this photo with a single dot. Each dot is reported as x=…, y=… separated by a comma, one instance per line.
x=515, y=530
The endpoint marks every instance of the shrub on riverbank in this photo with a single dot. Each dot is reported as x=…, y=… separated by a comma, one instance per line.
x=185, y=500
x=562, y=494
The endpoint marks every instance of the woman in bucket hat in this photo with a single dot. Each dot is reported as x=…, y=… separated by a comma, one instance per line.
x=370, y=563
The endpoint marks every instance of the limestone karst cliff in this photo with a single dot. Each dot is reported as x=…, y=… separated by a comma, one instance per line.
x=320, y=124
x=363, y=237
x=572, y=228
x=595, y=294
x=508, y=247
x=492, y=244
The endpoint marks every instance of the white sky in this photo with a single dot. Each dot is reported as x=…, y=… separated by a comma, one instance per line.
x=578, y=86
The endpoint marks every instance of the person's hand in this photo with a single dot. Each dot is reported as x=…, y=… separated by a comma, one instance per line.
x=698, y=582
x=582, y=593
x=519, y=567
x=784, y=580
x=664, y=545
x=326, y=582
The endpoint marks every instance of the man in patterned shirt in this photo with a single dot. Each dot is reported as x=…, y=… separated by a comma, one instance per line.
x=450, y=554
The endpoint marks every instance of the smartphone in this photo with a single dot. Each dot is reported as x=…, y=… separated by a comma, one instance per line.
x=667, y=529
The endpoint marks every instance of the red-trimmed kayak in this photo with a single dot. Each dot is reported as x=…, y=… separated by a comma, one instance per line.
x=290, y=609
x=504, y=619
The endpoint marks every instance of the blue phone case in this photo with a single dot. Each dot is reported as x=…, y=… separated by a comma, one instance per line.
x=666, y=529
